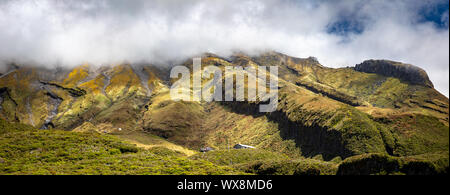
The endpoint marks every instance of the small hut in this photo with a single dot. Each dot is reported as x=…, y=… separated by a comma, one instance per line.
x=242, y=146
x=206, y=149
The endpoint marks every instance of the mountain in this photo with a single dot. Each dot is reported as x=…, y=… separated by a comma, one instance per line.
x=329, y=120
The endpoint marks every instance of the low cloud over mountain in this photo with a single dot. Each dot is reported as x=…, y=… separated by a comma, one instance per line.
x=339, y=34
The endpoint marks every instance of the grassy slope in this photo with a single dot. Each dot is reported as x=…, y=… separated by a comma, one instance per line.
x=179, y=122
x=25, y=150
x=394, y=117
x=426, y=164
x=407, y=119
x=257, y=161
x=227, y=127
x=306, y=123
x=147, y=141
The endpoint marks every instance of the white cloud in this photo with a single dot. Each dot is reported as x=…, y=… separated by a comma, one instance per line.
x=73, y=32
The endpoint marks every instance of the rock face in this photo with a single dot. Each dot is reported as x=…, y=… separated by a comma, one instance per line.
x=406, y=72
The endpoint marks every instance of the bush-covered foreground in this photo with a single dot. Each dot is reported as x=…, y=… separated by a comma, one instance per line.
x=262, y=162
x=25, y=150
x=426, y=164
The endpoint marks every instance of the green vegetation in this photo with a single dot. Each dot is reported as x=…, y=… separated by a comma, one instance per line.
x=225, y=127
x=25, y=150
x=177, y=121
x=328, y=121
x=429, y=164
x=418, y=134
x=257, y=161
x=262, y=162
x=238, y=156
x=301, y=166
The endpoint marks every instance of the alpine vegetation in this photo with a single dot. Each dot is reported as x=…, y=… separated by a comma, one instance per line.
x=235, y=84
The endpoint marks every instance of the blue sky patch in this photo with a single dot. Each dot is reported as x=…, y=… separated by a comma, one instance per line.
x=346, y=26
x=352, y=22
x=436, y=13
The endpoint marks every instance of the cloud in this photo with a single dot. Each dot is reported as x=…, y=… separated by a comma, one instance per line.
x=338, y=33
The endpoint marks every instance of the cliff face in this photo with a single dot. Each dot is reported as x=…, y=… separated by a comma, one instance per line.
x=406, y=72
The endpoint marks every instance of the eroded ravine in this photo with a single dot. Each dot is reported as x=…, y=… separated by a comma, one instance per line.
x=106, y=83
x=143, y=77
x=30, y=112
x=53, y=105
x=6, y=74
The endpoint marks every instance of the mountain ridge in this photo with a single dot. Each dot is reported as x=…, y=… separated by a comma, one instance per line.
x=323, y=113
x=399, y=70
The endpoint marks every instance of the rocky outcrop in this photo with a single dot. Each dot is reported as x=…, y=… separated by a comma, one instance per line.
x=330, y=93
x=5, y=93
x=74, y=92
x=405, y=72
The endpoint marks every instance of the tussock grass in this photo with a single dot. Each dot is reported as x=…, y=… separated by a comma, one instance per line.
x=25, y=150
x=381, y=164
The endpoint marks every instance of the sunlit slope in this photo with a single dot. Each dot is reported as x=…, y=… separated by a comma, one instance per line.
x=26, y=150
x=395, y=111
x=322, y=113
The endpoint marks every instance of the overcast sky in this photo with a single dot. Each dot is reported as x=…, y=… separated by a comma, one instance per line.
x=338, y=33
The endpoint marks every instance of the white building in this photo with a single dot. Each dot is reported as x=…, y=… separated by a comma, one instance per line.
x=242, y=146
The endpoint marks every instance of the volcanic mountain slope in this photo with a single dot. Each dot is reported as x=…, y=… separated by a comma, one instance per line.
x=378, y=107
